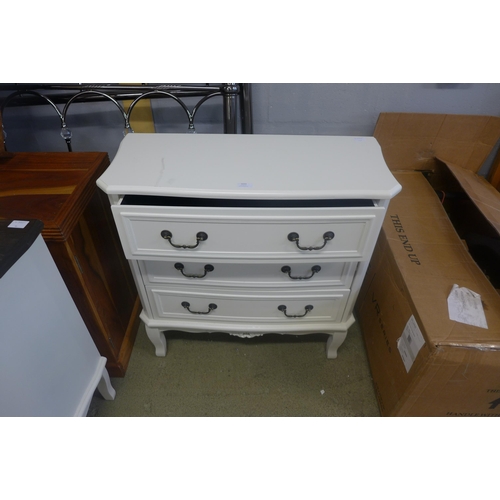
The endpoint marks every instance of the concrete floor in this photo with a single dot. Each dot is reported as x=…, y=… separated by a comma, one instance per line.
x=218, y=375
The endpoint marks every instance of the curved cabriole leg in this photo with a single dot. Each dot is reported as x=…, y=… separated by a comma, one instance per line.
x=158, y=339
x=334, y=341
x=105, y=388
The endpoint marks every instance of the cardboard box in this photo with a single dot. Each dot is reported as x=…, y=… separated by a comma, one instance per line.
x=494, y=172
x=424, y=363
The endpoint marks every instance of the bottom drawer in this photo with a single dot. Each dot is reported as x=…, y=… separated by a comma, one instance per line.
x=251, y=306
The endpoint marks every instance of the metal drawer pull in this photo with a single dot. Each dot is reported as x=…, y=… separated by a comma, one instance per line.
x=283, y=310
x=180, y=267
x=201, y=236
x=288, y=270
x=211, y=307
x=326, y=237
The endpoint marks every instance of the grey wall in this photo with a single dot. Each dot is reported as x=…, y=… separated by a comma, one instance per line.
x=288, y=108
x=353, y=108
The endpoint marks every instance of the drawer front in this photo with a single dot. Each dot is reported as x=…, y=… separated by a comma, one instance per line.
x=249, y=306
x=296, y=274
x=157, y=232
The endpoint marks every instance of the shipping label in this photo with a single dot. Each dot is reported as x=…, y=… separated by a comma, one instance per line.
x=410, y=343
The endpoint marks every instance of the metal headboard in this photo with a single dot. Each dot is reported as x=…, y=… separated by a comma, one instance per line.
x=64, y=95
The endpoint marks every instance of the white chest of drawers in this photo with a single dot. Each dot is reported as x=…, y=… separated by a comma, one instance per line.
x=248, y=234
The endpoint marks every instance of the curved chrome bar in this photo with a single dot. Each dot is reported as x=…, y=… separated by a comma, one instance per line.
x=31, y=92
x=97, y=92
x=201, y=101
x=190, y=116
x=66, y=133
x=13, y=96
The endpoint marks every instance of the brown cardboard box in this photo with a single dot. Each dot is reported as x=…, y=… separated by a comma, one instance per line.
x=424, y=363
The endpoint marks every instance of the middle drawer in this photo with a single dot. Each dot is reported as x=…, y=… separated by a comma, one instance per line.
x=178, y=272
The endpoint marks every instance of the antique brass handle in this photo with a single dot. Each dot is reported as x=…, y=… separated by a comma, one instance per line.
x=328, y=236
x=187, y=305
x=180, y=267
x=167, y=235
x=283, y=310
x=288, y=270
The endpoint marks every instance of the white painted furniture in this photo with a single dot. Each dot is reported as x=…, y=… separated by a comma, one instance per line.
x=248, y=234
x=49, y=364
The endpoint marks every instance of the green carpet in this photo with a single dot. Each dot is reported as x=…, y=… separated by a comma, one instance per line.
x=218, y=375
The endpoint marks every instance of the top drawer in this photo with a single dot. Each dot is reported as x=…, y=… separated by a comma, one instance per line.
x=236, y=233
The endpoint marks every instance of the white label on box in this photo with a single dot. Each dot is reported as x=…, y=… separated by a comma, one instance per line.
x=465, y=306
x=19, y=224
x=410, y=343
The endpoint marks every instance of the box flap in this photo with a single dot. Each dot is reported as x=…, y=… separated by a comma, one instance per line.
x=432, y=258
x=481, y=192
x=412, y=141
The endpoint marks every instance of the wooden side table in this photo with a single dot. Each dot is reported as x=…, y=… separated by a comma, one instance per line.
x=60, y=190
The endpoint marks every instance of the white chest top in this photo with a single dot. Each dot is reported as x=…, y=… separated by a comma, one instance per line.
x=250, y=166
